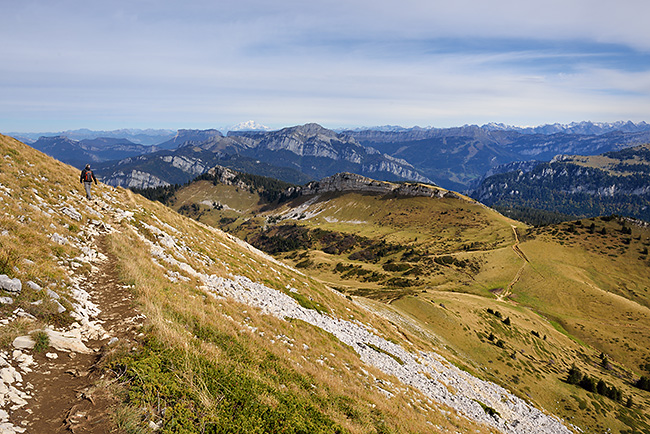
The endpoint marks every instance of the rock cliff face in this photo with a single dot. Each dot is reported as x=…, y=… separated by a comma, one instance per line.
x=188, y=165
x=357, y=183
x=135, y=179
x=317, y=151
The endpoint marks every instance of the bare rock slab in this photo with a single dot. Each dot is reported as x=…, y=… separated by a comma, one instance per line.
x=62, y=342
x=10, y=285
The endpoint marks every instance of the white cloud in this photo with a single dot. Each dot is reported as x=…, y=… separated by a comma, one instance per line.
x=206, y=63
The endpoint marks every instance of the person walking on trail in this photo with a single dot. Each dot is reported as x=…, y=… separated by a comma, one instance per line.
x=87, y=177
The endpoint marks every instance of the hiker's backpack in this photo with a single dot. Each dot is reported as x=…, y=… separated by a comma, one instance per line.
x=88, y=176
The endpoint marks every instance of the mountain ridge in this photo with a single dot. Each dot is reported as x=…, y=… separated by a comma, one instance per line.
x=455, y=158
x=309, y=149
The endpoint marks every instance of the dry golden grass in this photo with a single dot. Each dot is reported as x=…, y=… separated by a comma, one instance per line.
x=174, y=311
x=585, y=294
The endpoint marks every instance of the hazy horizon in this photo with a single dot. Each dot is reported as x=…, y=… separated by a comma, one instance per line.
x=202, y=64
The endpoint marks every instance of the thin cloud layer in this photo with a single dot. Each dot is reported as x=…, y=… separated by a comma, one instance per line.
x=202, y=64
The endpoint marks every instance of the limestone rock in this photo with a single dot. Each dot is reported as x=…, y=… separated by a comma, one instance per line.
x=62, y=342
x=33, y=285
x=59, y=307
x=10, y=285
x=58, y=239
x=24, y=343
x=135, y=179
x=72, y=213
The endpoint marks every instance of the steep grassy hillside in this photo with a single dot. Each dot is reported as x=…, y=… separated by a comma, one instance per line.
x=232, y=340
x=513, y=304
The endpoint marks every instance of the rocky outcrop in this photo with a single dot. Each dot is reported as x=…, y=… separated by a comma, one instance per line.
x=10, y=285
x=188, y=165
x=135, y=179
x=347, y=182
x=224, y=175
x=351, y=182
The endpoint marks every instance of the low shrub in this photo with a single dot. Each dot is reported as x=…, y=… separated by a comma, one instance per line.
x=41, y=341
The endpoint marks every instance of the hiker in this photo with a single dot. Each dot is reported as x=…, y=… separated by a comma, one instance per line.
x=87, y=177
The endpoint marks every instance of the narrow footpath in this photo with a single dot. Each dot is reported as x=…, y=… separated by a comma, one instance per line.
x=69, y=388
x=503, y=295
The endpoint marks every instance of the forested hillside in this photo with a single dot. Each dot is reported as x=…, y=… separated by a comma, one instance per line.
x=613, y=183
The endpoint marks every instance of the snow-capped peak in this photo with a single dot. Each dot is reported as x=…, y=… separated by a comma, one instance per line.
x=249, y=126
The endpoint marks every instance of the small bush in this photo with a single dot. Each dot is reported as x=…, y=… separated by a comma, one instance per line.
x=41, y=340
x=588, y=383
x=396, y=267
x=643, y=383
x=494, y=312
x=305, y=264
x=574, y=375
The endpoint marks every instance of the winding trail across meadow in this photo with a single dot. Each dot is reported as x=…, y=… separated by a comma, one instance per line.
x=508, y=291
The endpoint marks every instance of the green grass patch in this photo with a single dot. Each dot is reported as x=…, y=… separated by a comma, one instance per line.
x=162, y=378
x=557, y=326
x=41, y=341
x=308, y=303
x=488, y=410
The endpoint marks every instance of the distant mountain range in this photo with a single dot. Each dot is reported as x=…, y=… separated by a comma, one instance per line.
x=139, y=136
x=296, y=155
x=79, y=153
x=457, y=158
x=453, y=158
x=585, y=127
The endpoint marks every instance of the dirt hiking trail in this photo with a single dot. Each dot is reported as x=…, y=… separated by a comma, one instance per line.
x=65, y=396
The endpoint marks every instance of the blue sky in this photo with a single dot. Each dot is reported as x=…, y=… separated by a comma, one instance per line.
x=72, y=64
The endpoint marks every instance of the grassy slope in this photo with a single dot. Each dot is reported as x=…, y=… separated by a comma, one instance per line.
x=583, y=293
x=204, y=364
